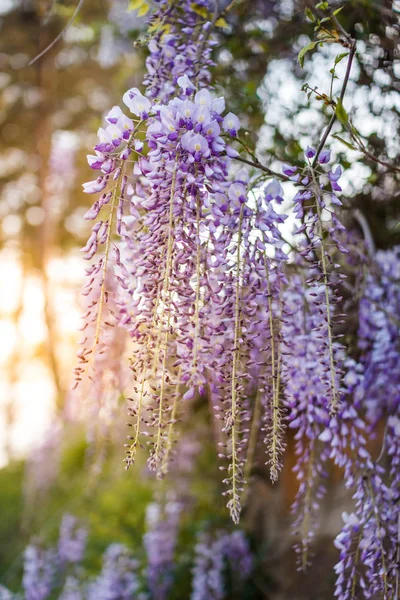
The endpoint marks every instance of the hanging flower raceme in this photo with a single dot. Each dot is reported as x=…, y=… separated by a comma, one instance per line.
x=251, y=343
x=370, y=536
x=177, y=216
x=180, y=46
x=195, y=271
x=248, y=342
x=378, y=336
x=365, y=542
x=315, y=208
x=272, y=264
x=116, y=142
x=306, y=361
x=186, y=203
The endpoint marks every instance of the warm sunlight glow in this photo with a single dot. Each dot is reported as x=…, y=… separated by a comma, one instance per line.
x=27, y=390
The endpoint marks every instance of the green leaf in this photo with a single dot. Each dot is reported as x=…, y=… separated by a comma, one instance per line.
x=351, y=146
x=142, y=6
x=355, y=131
x=322, y=5
x=304, y=51
x=341, y=112
x=340, y=57
x=143, y=10
x=221, y=23
x=309, y=14
x=337, y=11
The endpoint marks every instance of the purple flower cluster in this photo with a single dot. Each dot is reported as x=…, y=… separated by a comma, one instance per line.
x=307, y=370
x=59, y=573
x=320, y=229
x=198, y=274
x=160, y=542
x=118, y=578
x=370, y=537
x=180, y=46
x=186, y=202
x=72, y=589
x=378, y=336
x=45, y=568
x=366, y=541
x=72, y=540
x=210, y=562
x=5, y=594
x=40, y=570
x=237, y=551
x=208, y=583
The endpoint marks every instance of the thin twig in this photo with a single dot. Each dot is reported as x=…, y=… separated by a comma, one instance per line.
x=361, y=148
x=342, y=93
x=368, y=238
x=342, y=30
x=257, y=165
x=59, y=36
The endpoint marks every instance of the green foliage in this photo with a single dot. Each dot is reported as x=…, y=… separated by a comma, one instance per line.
x=304, y=51
x=12, y=540
x=350, y=146
x=341, y=112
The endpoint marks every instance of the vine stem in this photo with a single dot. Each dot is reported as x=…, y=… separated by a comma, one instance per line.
x=236, y=356
x=334, y=400
x=166, y=290
x=378, y=523
x=168, y=264
x=353, y=47
x=356, y=559
x=110, y=222
x=305, y=524
x=165, y=459
x=257, y=165
x=251, y=449
x=132, y=449
x=59, y=36
x=275, y=392
x=197, y=307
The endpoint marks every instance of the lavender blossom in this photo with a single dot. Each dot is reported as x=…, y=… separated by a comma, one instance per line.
x=40, y=569
x=5, y=594
x=237, y=551
x=118, y=578
x=378, y=336
x=181, y=46
x=72, y=540
x=312, y=202
x=72, y=590
x=208, y=567
x=364, y=537
x=159, y=542
x=210, y=561
x=307, y=365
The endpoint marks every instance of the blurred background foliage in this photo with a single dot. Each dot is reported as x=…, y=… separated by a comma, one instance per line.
x=49, y=113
